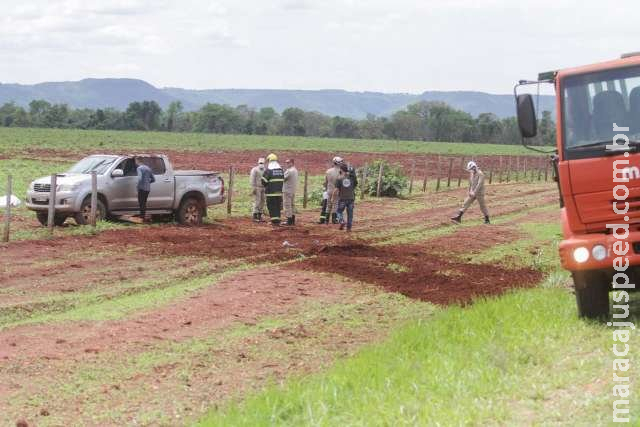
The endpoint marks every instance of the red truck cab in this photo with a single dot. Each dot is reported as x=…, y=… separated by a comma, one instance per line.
x=598, y=173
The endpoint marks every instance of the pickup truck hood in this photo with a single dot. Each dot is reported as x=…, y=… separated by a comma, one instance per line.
x=592, y=187
x=65, y=178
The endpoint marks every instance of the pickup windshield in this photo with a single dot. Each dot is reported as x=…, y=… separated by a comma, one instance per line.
x=99, y=164
x=592, y=103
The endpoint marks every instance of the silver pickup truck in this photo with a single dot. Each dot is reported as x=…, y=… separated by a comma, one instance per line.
x=185, y=194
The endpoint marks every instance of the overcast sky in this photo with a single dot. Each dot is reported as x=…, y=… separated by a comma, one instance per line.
x=362, y=45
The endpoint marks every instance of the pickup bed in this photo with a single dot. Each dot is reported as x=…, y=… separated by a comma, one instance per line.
x=185, y=194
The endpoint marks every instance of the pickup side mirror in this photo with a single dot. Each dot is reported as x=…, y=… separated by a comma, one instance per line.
x=117, y=173
x=526, y=116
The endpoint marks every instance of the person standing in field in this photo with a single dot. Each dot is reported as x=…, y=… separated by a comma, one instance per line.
x=330, y=180
x=257, y=190
x=273, y=180
x=145, y=179
x=346, y=189
x=476, y=192
x=289, y=191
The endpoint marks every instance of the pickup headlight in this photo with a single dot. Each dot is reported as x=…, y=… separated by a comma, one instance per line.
x=67, y=187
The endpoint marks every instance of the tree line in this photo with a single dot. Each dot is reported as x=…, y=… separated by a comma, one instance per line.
x=424, y=121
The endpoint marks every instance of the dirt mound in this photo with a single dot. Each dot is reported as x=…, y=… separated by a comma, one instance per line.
x=411, y=271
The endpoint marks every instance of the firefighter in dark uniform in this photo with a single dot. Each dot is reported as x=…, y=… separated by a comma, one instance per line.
x=273, y=180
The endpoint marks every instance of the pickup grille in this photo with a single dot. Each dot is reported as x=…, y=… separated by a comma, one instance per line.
x=42, y=188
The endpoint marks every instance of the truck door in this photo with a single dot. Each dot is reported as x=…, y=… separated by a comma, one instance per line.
x=123, y=191
x=162, y=190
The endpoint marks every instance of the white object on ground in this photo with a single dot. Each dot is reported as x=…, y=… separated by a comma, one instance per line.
x=13, y=200
x=287, y=244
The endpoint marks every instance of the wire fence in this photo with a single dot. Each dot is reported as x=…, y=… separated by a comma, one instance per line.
x=425, y=175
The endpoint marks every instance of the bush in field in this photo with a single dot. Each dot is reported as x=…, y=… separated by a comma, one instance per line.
x=315, y=196
x=393, y=179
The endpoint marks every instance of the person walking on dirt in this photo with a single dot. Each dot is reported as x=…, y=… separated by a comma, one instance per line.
x=289, y=191
x=257, y=190
x=346, y=189
x=476, y=192
x=273, y=180
x=330, y=180
x=145, y=179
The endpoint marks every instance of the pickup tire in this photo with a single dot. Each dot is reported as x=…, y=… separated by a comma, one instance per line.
x=84, y=216
x=43, y=219
x=190, y=212
x=592, y=294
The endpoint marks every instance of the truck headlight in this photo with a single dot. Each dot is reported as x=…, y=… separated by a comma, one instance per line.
x=581, y=254
x=599, y=252
x=67, y=187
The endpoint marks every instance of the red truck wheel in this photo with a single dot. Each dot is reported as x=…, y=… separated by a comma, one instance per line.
x=592, y=294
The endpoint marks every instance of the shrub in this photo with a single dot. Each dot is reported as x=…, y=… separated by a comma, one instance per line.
x=393, y=179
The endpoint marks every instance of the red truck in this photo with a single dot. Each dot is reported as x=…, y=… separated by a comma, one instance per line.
x=597, y=165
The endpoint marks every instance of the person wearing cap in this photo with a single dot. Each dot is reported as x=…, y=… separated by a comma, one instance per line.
x=273, y=180
x=476, y=192
x=257, y=189
x=346, y=189
x=330, y=179
x=145, y=179
x=289, y=191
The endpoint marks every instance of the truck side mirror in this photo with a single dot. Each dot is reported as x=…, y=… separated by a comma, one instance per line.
x=526, y=116
x=117, y=173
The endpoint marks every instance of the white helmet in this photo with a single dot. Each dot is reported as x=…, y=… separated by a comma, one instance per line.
x=337, y=160
x=471, y=165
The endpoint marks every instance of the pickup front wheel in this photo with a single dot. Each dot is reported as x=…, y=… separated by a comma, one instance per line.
x=84, y=216
x=592, y=294
x=190, y=212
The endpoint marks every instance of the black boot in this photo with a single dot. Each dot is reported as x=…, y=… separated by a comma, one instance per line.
x=289, y=221
x=322, y=220
x=458, y=218
x=334, y=218
x=486, y=219
x=293, y=220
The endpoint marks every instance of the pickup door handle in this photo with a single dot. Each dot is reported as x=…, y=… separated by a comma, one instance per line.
x=167, y=180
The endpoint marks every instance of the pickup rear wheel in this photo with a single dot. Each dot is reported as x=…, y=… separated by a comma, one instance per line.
x=190, y=212
x=84, y=216
x=592, y=294
x=43, y=218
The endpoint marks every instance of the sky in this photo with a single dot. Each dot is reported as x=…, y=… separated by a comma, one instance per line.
x=357, y=45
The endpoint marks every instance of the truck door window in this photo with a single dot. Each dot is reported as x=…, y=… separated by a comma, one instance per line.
x=156, y=164
x=128, y=166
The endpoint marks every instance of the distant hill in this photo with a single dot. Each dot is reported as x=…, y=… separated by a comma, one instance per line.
x=118, y=93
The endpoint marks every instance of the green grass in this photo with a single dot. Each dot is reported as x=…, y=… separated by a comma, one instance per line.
x=62, y=139
x=525, y=353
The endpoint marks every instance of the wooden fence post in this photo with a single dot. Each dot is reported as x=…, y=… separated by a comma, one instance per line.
x=230, y=192
x=7, y=212
x=94, y=197
x=379, y=188
x=462, y=168
x=305, y=191
x=426, y=173
x=413, y=173
x=490, y=176
x=363, y=185
x=450, y=171
x=52, y=203
x=525, y=168
x=546, y=172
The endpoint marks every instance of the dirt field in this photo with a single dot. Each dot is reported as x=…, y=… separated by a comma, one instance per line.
x=156, y=324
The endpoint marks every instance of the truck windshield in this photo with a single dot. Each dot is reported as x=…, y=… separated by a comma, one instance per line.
x=99, y=164
x=593, y=102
